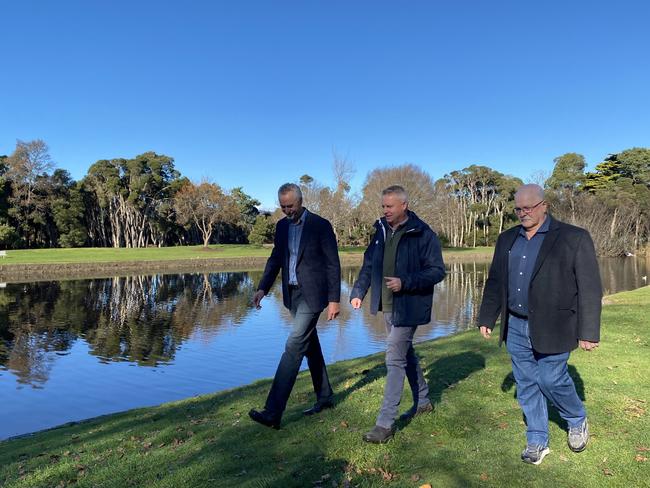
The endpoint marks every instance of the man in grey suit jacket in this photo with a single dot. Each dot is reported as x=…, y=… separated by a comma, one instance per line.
x=306, y=252
x=545, y=285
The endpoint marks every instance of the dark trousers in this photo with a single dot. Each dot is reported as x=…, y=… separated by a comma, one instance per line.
x=303, y=341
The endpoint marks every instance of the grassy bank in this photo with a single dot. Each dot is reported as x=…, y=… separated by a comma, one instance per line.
x=473, y=438
x=176, y=253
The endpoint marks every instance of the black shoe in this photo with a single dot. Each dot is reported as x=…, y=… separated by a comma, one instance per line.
x=378, y=435
x=318, y=407
x=414, y=412
x=264, y=418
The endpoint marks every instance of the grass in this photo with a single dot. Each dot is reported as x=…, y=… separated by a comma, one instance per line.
x=223, y=251
x=107, y=255
x=473, y=438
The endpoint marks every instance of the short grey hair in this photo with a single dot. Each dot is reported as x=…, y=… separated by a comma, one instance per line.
x=287, y=187
x=397, y=190
x=531, y=188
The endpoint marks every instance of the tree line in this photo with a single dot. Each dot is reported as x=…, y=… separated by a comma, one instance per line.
x=145, y=201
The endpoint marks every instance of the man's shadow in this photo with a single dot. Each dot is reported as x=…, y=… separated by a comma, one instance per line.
x=445, y=373
x=553, y=415
x=442, y=374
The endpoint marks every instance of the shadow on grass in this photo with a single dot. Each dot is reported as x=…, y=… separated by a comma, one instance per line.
x=553, y=415
x=448, y=370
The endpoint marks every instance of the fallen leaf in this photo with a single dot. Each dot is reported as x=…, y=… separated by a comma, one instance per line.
x=640, y=459
x=608, y=472
x=427, y=485
x=344, y=424
x=643, y=449
x=503, y=425
x=484, y=477
x=415, y=477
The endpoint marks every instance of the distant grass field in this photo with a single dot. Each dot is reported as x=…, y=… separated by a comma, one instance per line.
x=176, y=253
x=472, y=439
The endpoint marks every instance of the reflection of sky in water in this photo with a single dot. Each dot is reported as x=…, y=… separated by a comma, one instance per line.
x=216, y=340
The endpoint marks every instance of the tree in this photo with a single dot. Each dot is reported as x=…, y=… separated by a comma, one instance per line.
x=27, y=167
x=247, y=208
x=133, y=197
x=565, y=182
x=263, y=230
x=632, y=163
x=417, y=183
x=205, y=206
x=68, y=214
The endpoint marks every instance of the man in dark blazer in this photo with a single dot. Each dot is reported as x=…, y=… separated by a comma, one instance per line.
x=545, y=285
x=306, y=252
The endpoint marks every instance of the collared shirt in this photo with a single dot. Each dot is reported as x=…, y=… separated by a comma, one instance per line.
x=521, y=262
x=394, y=235
x=295, y=234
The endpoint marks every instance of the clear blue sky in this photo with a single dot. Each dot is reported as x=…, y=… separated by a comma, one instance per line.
x=254, y=94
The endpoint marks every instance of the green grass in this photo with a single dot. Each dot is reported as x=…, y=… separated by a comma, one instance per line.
x=112, y=255
x=473, y=438
x=102, y=254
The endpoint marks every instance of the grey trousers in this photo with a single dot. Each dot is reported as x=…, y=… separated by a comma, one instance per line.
x=401, y=362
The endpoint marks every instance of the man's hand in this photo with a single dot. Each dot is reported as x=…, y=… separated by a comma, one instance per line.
x=393, y=283
x=485, y=332
x=257, y=299
x=588, y=345
x=333, y=309
x=356, y=303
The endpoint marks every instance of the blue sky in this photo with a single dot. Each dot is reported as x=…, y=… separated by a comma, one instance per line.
x=254, y=94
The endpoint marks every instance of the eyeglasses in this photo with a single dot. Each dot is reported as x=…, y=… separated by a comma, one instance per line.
x=527, y=210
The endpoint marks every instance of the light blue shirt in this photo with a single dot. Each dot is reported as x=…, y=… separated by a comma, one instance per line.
x=295, y=234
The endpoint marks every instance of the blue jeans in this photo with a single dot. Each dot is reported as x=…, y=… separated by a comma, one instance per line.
x=540, y=377
x=302, y=341
x=401, y=362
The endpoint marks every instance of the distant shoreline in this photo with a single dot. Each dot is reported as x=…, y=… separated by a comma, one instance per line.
x=26, y=272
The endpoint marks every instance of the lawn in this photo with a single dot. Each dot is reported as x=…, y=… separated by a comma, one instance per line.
x=473, y=437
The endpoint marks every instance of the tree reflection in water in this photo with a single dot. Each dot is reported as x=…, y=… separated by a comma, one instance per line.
x=145, y=320
x=141, y=319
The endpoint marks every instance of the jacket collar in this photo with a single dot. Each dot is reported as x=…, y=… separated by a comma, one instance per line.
x=413, y=225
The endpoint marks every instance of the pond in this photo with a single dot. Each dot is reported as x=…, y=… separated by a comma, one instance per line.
x=71, y=350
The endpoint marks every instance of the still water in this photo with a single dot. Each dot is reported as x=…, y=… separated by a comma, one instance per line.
x=71, y=350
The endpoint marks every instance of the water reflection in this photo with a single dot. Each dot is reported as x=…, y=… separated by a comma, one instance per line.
x=142, y=319
x=75, y=349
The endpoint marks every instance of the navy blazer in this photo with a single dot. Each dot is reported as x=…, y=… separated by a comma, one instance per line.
x=565, y=292
x=318, y=268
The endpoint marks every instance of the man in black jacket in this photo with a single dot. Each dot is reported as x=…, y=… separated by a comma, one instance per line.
x=306, y=252
x=402, y=264
x=545, y=284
